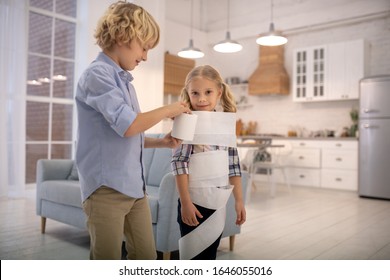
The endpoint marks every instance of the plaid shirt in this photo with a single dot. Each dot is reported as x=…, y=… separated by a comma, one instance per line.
x=181, y=157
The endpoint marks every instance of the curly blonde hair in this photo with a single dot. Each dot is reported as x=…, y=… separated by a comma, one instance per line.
x=123, y=22
x=208, y=72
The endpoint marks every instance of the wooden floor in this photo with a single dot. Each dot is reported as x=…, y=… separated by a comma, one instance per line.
x=308, y=223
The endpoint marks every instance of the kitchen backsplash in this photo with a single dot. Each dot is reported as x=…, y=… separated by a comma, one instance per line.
x=278, y=115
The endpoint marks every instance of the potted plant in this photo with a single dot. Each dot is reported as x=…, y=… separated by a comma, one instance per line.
x=354, y=113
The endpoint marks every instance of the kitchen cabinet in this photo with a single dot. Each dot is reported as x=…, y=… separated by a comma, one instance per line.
x=309, y=74
x=346, y=67
x=305, y=163
x=329, y=72
x=321, y=163
x=175, y=71
x=339, y=165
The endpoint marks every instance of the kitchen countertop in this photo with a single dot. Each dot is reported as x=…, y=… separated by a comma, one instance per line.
x=280, y=137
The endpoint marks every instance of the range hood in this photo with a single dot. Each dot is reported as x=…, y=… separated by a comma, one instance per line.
x=270, y=76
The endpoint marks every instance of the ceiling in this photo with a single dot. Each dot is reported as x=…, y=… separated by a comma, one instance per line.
x=212, y=15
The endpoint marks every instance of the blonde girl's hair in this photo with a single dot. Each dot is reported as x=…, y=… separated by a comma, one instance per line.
x=208, y=72
x=123, y=22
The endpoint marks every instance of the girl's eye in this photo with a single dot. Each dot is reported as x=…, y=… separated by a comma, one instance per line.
x=208, y=92
x=194, y=93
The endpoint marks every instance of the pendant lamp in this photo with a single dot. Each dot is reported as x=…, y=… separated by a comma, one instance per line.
x=191, y=51
x=228, y=45
x=273, y=37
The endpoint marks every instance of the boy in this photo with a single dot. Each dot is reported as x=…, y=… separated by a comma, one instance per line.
x=111, y=136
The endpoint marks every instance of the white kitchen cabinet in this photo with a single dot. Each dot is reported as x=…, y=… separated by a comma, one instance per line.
x=305, y=157
x=339, y=179
x=304, y=177
x=329, y=72
x=304, y=163
x=339, y=165
x=346, y=66
x=309, y=70
x=321, y=163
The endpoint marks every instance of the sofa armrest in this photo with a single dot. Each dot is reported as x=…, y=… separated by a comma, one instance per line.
x=50, y=169
x=168, y=232
x=53, y=169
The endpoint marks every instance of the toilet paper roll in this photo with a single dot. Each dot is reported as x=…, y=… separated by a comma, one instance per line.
x=184, y=126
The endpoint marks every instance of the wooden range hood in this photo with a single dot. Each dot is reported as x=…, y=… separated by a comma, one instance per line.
x=270, y=76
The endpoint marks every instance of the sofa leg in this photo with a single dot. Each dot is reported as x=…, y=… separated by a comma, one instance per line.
x=231, y=242
x=166, y=255
x=43, y=224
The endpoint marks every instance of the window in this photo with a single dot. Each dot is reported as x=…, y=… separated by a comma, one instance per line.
x=50, y=81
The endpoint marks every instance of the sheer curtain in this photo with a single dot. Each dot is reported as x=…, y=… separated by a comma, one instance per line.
x=13, y=57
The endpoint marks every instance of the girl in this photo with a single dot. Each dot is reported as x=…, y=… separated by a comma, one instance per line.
x=204, y=89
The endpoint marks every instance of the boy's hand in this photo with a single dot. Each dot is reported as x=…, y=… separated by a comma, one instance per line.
x=171, y=142
x=176, y=109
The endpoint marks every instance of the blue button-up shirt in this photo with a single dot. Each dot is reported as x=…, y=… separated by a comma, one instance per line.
x=107, y=105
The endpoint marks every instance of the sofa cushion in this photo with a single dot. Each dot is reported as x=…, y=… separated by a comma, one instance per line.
x=152, y=192
x=62, y=191
x=161, y=165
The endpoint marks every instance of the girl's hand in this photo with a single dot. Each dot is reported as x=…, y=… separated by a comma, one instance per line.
x=189, y=214
x=241, y=213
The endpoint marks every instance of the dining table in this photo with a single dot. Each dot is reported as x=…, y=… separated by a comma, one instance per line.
x=252, y=148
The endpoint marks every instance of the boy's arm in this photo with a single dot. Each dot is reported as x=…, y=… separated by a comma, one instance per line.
x=167, y=142
x=144, y=121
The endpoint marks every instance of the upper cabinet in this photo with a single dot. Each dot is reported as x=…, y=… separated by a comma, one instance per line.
x=346, y=68
x=309, y=74
x=175, y=71
x=329, y=72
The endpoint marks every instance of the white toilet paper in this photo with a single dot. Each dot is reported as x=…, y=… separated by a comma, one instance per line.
x=184, y=126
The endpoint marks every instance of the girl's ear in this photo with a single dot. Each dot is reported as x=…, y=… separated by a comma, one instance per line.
x=220, y=91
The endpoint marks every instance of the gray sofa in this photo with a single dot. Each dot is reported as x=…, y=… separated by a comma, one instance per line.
x=58, y=198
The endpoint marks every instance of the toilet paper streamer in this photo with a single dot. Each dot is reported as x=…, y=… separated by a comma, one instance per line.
x=215, y=128
x=184, y=126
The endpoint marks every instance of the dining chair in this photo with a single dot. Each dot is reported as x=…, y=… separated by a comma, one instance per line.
x=279, y=153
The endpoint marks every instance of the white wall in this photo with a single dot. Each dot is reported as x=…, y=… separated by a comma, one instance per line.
x=278, y=114
x=148, y=76
x=311, y=23
x=305, y=23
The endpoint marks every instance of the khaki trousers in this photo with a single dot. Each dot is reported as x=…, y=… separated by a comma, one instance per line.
x=111, y=216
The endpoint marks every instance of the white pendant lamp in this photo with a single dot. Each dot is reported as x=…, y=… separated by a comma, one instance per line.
x=228, y=45
x=191, y=51
x=273, y=37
